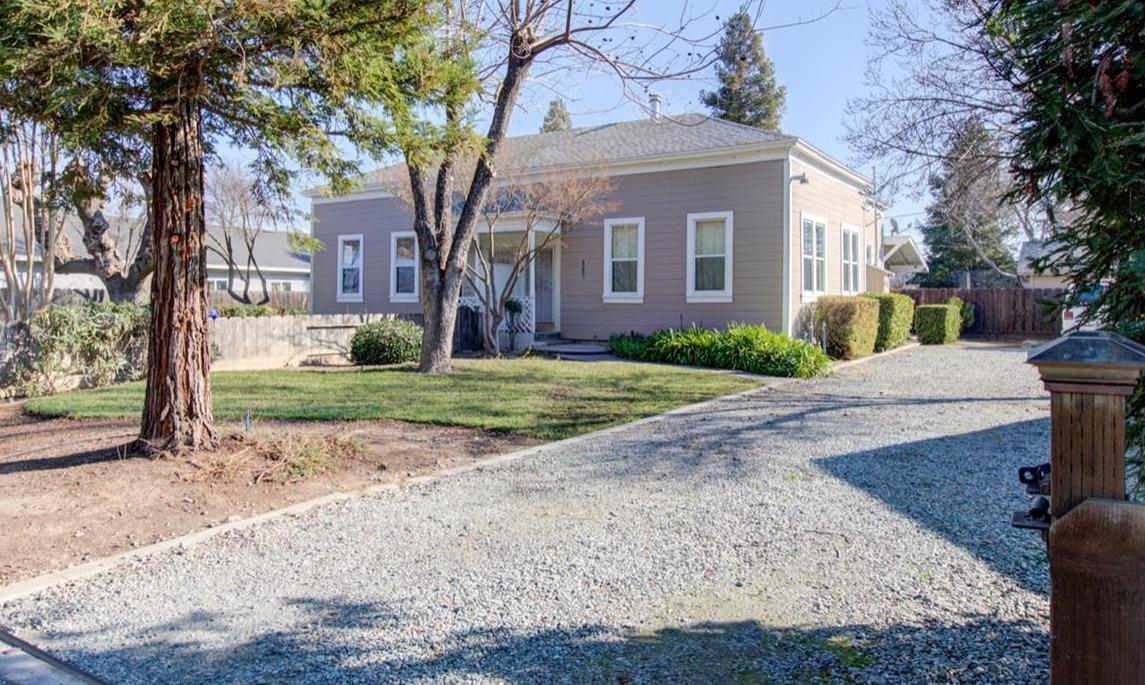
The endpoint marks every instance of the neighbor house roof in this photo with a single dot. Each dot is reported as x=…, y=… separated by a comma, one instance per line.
x=637, y=141
x=1029, y=251
x=901, y=250
x=271, y=248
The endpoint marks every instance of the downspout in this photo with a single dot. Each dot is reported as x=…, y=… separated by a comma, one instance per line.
x=786, y=325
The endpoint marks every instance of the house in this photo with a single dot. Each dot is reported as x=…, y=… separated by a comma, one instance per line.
x=714, y=222
x=903, y=259
x=1030, y=251
x=285, y=270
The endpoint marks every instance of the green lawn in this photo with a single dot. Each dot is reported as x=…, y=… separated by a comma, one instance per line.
x=539, y=398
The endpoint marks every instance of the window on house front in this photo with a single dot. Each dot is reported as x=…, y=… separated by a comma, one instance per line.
x=850, y=259
x=350, y=268
x=219, y=285
x=710, y=257
x=403, y=266
x=814, y=255
x=624, y=260
x=280, y=286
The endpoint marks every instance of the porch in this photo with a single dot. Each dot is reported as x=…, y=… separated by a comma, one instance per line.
x=536, y=288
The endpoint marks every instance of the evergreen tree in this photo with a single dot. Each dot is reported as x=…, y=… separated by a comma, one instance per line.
x=1081, y=144
x=968, y=222
x=748, y=93
x=557, y=118
x=163, y=83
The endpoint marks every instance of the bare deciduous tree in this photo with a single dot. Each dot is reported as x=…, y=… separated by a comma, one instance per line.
x=238, y=216
x=507, y=42
x=33, y=216
x=543, y=211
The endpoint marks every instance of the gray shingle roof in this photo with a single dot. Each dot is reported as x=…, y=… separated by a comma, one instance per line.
x=624, y=141
x=270, y=247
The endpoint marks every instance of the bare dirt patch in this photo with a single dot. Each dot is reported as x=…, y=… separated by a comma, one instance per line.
x=71, y=492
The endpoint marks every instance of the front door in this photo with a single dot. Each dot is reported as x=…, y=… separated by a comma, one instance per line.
x=544, y=303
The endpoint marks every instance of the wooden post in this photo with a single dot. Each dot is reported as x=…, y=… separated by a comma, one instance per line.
x=1096, y=539
x=1089, y=375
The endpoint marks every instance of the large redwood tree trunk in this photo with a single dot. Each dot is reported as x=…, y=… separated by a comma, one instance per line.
x=177, y=408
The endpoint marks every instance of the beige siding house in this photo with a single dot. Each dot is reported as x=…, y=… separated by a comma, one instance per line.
x=713, y=223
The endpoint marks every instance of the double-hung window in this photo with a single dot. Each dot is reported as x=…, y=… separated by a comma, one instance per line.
x=624, y=260
x=710, y=257
x=403, y=266
x=350, y=268
x=850, y=259
x=814, y=256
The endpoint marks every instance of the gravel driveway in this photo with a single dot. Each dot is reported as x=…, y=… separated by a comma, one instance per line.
x=850, y=529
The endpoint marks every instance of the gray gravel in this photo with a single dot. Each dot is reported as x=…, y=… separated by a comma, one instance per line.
x=850, y=529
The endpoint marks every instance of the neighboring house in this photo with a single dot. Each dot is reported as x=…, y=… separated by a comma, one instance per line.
x=714, y=223
x=286, y=271
x=903, y=259
x=1030, y=251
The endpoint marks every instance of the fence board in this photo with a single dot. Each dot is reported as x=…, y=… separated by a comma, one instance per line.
x=299, y=300
x=1001, y=311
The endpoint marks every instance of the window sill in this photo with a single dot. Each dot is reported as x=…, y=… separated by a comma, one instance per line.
x=810, y=297
x=403, y=298
x=698, y=298
x=349, y=298
x=622, y=299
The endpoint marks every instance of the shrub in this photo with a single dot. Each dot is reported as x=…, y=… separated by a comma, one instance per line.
x=93, y=344
x=896, y=314
x=630, y=346
x=237, y=310
x=740, y=347
x=852, y=324
x=389, y=341
x=965, y=312
x=937, y=324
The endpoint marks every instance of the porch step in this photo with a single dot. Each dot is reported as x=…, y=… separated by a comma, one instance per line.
x=546, y=336
x=569, y=348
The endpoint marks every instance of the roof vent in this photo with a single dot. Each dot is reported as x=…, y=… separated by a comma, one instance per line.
x=654, y=105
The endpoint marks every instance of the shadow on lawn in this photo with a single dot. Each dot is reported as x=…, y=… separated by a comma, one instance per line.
x=330, y=642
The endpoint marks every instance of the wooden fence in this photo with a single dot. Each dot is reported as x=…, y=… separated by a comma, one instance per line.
x=297, y=300
x=1003, y=311
x=276, y=341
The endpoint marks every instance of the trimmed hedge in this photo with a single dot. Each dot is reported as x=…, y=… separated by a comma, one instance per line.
x=389, y=341
x=740, y=347
x=896, y=314
x=937, y=324
x=254, y=311
x=852, y=325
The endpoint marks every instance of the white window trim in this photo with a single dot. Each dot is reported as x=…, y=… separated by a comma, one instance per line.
x=395, y=296
x=812, y=295
x=624, y=298
x=724, y=295
x=847, y=230
x=352, y=297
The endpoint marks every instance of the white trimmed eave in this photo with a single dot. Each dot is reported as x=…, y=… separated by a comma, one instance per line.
x=808, y=154
x=770, y=151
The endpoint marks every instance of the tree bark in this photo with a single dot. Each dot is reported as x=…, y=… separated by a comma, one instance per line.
x=443, y=264
x=177, y=408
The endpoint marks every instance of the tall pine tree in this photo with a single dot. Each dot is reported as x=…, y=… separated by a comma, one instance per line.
x=557, y=118
x=748, y=93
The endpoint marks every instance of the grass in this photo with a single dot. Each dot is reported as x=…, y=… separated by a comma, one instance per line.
x=538, y=398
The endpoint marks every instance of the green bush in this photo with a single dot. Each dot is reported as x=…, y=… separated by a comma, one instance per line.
x=965, y=312
x=629, y=346
x=238, y=310
x=852, y=325
x=93, y=344
x=896, y=314
x=937, y=324
x=389, y=341
x=740, y=347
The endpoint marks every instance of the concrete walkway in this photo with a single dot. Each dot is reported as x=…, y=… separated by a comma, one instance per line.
x=850, y=529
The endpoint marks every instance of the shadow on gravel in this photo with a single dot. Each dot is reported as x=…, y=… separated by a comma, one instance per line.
x=324, y=647
x=963, y=487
